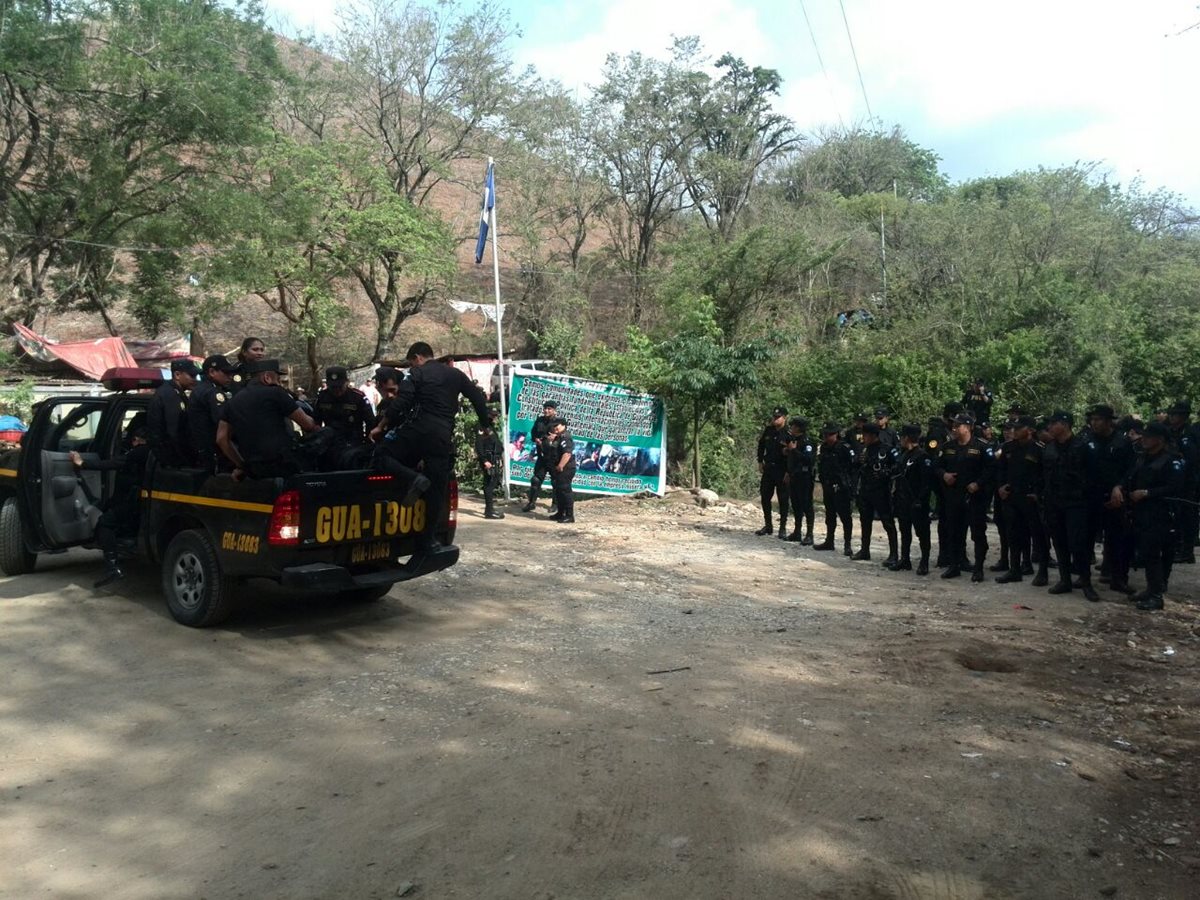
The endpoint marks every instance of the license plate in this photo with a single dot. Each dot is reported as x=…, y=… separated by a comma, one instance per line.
x=362, y=522
x=372, y=552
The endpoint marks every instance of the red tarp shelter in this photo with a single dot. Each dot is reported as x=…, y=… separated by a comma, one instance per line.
x=92, y=358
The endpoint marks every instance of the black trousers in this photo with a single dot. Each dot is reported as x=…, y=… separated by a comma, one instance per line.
x=1157, y=544
x=876, y=501
x=1118, y=543
x=1071, y=533
x=428, y=443
x=914, y=518
x=837, y=506
x=800, y=494
x=564, y=497
x=541, y=469
x=965, y=512
x=490, y=481
x=1026, y=533
x=769, y=486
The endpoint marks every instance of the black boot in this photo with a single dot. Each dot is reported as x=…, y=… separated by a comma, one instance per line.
x=891, y=562
x=826, y=544
x=1042, y=578
x=901, y=565
x=1154, y=601
x=952, y=572
x=765, y=530
x=490, y=513
x=1026, y=567
x=1120, y=585
x=112, y=572
x=847, y=550
x=783, y=529
x=1089, y=592
x=923, y=566
x=863, y=554
x=977, y=574
x=528, y=507
x=1063, y=585
x=1009, y=577
x=807, y=539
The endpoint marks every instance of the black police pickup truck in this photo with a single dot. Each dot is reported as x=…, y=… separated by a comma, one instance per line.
x=339, y=533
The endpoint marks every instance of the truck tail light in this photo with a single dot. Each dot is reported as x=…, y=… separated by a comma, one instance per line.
x=284, y=530
x=452, y=519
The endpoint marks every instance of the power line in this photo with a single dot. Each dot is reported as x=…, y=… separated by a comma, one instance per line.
x=824, y=72
x=854, y=53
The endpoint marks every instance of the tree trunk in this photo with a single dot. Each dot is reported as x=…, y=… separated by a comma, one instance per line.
x=695, y=443
x=314, y=367
x=196, y=346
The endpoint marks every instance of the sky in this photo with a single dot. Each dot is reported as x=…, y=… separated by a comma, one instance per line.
x=991, y=88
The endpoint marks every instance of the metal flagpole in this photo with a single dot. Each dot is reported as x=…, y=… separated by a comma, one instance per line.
x=504, y=382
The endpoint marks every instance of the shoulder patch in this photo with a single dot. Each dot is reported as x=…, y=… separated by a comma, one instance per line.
x=219, y=396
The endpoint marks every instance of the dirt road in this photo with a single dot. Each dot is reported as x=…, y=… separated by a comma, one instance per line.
x=652, y=704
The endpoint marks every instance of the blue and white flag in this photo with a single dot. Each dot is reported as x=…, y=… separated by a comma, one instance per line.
x=489, y=200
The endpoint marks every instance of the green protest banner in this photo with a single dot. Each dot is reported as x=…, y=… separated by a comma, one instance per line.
x=620, y=436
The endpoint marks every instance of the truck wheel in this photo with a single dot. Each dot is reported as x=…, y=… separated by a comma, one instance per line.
x=197, y=593
x=15, y=558
x=367, y=595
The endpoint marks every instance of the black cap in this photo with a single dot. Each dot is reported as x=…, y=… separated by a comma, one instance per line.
x=1026, y=422
x=831, y=428
x=336, y=374
x=950, y=410
x=1137, y=426
x=1016, y=409
x=387, y=373
x=798, y=422
x=220, y=363
x=964, y=419
x=1156, y=429
x=912, y=430
x=882, y=411
x=1102, y=411
x=778, y=411
x=861, y=417
x=257, y=367
x=185, y=365
x=1061, y=415
x=984, y=423
x=871, y=428
x=550, y=404
x=1179, y=408
x=560, y=421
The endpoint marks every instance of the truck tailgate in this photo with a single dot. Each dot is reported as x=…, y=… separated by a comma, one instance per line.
x=356, y=506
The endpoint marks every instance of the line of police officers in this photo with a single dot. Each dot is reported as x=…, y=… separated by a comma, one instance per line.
x=1053, y=493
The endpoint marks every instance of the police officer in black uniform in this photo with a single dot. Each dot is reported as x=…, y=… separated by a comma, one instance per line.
x=1187, y=514
x=166, y=418
x=419, y=426
x=801, y=466
x=966, y=469
x=936, y=437
x=121, y=514
x=887, y=437
x=205, y=405
x=542, y=456
x=877, y=465
x=387, y=382
x=1069, y=467
x=1114, y=458
x=1019, y=471
x=910, y=498
x=253, y=350
x=1158, y=474
x=562, y=458
x=772, y=464
x=835, y=471
x=255, y=431
x=489, y=451
x=978, y=401
x=346, y=412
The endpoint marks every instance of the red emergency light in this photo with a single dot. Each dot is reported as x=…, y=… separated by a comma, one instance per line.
x=131, y=379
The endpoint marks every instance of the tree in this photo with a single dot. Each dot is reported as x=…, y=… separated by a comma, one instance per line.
x=858, y=160
x=136, y=104
x=737, y=134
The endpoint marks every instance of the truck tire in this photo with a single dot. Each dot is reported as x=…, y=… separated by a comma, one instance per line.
x=368, y=594
x=15, y=558
x=198, y=595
